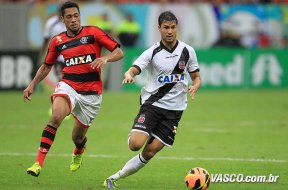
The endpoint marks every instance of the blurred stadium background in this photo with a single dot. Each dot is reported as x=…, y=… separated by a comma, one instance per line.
x=240, y=45
x=238, y=123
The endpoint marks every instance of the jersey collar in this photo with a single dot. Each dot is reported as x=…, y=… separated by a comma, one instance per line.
x=170, y=51
x=76, y=35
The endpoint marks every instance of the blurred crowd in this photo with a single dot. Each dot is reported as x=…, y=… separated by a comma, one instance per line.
x=129, y=30
x=157, y=1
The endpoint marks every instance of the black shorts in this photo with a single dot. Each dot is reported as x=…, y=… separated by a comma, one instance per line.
x=158, y=122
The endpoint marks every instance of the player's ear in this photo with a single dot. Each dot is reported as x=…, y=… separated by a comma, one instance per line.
x=62, y=19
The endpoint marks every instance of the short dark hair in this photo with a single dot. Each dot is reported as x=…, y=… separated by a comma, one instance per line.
x=68, y=4
x=167, y=16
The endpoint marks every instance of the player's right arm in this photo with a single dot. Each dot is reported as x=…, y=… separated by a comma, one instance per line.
x=139, y=64
x=42, y=72
x=130, y=74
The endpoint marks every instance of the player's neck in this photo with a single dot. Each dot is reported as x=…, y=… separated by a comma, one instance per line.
x=72, y=34
x=169, y=45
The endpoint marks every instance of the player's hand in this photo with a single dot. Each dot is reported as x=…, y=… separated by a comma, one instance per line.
x=128, y=78
x=192, y=91
x=98, y=63
x=27, y=92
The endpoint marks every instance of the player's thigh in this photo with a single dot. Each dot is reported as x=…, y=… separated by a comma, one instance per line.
x=167, y=128
x=60, y=107
x=144, y=123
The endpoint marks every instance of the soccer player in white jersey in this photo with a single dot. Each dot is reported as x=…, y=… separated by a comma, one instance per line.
x=164, y=98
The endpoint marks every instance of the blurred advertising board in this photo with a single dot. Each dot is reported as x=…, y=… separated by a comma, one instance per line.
x=220, y=68
x=17, y=69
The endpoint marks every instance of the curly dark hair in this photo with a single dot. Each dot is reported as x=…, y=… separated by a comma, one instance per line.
x=68, y=4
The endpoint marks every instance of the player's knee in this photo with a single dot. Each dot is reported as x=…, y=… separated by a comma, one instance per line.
x=136, y=141
x=56, y=121
x=135, y=146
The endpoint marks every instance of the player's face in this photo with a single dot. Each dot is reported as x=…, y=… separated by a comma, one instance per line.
x=71, y=19
x=168, y=31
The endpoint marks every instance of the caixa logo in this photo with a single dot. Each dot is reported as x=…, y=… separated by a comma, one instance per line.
x=80, y=60
x=171, y=78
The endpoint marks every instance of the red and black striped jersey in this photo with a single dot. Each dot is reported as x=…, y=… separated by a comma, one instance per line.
x=78, y=52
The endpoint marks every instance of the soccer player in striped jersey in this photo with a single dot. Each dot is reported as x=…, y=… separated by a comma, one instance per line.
x=164, y=98
x=79, y=91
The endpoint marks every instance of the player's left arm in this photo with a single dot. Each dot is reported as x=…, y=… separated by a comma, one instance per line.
x=110, y=44
x=115, y=55
x=196, y=83
x=193, y=69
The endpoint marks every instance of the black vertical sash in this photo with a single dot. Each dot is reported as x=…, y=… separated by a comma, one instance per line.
x=162, y=91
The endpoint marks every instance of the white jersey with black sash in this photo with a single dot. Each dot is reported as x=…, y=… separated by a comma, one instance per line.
x=168, y=72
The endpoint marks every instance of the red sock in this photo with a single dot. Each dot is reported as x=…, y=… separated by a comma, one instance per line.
x=47, y=139
x=79, y=149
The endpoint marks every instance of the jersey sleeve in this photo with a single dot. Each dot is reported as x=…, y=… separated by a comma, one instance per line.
x=52, y=53
x=143, y=60
x=105, y=40
x=193, y=65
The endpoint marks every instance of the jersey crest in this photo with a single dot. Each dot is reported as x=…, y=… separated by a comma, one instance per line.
x=84, y=40
x=141, y=118
x=182, y=64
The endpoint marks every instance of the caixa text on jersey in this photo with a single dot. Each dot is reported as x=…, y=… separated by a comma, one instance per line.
x=80, y=59
x=171, y=78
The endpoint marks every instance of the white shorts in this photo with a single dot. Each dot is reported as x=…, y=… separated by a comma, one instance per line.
x=84, y=108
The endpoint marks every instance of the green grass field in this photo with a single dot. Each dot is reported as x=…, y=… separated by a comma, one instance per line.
x=234, y=132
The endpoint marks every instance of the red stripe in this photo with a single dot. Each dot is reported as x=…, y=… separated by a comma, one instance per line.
x=50, y=130
x=46, y=140
x=78, y=151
